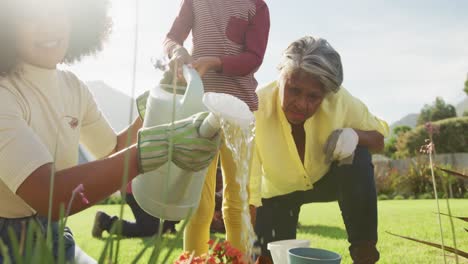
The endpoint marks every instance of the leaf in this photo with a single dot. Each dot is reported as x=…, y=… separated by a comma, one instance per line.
x=449, y=249
x=458, y=217
x=4, y=253
x=453, y=173
x=17, y=258
x=178, y=236
x=142, y=252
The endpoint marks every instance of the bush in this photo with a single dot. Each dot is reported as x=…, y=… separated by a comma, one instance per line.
x=439, y=110
x=465, y=195
x=398, y=197
x=452, y=187
x=425, y=196
x=452, y=138
x=416, y=180
x=383, y=197
x=390, y=144
x=384, y=178
x=411, y=197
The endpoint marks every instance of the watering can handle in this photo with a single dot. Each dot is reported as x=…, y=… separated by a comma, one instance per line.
x=195, y=90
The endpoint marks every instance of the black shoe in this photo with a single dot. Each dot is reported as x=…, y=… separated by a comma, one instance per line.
x=364, y=252
x=169, y=227
x=99, y=225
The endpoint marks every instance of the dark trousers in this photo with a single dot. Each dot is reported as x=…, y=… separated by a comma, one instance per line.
x=145, y=224
x=352, y=185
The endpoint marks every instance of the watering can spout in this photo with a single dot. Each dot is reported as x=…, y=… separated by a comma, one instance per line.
x=224, y=107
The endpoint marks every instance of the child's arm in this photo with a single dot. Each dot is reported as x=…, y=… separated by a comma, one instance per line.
x=100, y=179
x=181, y=27
x=256, y=39
x=128, y=136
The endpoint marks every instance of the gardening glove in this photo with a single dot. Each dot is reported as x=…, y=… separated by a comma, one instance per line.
x=190, y=151
x=340, y=146
x=141, y=104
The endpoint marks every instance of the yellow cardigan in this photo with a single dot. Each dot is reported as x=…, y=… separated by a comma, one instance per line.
x=276, y=167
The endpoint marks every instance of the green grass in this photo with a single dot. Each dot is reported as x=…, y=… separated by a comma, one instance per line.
x=322, y=225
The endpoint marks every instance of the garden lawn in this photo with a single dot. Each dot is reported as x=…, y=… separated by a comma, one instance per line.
x=321, y=223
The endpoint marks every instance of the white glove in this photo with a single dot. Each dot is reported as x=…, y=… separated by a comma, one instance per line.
x=341, y=145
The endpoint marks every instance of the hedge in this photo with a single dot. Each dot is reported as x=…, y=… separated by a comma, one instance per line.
x=451, y=138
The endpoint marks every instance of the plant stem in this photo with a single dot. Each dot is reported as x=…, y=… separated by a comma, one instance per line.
x=434, y=184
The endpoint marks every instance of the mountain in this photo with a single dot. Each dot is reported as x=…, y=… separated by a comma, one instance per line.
x=409, y=120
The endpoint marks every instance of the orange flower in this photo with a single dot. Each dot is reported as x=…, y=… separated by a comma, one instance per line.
x=220, y=253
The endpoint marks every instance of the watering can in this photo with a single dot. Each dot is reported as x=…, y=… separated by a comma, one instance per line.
x=171, y=193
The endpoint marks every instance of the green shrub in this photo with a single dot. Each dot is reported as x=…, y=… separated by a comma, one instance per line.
x=411, y=197
x=465, y=195
x=384, y=179
x=398, y=197
x=452, y=138
x=425, y=196
x=383, y=197
x=439, y=110
x=417, y=180
x=390, y=144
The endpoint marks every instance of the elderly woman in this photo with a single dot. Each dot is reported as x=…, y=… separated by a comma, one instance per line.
x=313, y=144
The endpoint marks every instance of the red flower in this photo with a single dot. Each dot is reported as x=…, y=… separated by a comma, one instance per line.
x=220, y=253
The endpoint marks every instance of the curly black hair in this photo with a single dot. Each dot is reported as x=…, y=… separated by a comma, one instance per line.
x=90, y=27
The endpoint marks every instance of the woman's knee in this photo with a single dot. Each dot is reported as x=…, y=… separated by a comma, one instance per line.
x=362, y=156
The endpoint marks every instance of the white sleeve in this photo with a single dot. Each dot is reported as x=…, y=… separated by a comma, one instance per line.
x=21, y=150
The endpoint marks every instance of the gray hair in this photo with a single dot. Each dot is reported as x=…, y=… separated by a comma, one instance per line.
x=314, y=56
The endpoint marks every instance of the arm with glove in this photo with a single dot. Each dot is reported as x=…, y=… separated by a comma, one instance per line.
x=342, y=143
x=103, y=177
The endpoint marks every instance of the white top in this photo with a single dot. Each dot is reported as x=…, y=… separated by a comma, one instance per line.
x=44, y=115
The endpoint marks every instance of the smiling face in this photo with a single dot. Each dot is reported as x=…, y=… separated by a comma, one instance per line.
x=42, y=32
x=301, y=95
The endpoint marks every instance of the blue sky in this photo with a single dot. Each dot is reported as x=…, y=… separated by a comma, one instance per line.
x=397, y=55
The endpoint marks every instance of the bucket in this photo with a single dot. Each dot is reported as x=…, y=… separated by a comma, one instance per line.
x=176, y=195
x=279, y=249
x=307, y=255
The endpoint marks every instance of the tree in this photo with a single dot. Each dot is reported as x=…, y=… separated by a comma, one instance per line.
x=390, y=145
x=437, y=111
x=401, y=129
x=466, y=85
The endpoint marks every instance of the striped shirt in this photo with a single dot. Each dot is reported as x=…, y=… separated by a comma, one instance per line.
x=236, y=31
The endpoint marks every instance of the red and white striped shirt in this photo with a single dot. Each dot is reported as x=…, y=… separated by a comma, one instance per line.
x=236, y=31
